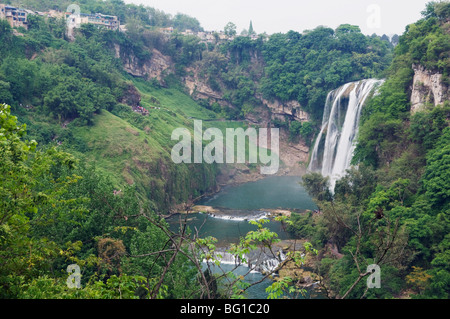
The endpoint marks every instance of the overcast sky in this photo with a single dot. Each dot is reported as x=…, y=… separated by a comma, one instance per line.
x=272, y=16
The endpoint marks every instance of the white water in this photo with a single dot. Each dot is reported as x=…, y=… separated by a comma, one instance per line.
x=256, y=261
x=255, y=216
x=340, y=123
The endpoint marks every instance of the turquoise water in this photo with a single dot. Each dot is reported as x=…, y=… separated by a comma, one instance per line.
x=237, y=205
x=273, y=192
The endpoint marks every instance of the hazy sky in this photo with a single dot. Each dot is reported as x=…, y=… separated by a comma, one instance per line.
x=272, y=16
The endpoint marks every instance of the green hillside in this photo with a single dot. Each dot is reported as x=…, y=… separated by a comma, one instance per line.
x=87, y=176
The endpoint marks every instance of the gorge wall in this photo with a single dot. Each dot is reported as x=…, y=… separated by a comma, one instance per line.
x=427, y=87
x=292, y=154
x=157, y=67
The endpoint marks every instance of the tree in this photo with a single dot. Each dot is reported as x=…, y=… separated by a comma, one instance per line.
x=395, y=39
x=442, y=10
x=23, y=170
x=23, y=77
x=307, y=130
x=418, y=279
x=384, y=37
x=429, y=10
x=317, y=186
x=230, y=29
x=439, y=285
x=294, y=129
x=5, y=92
x=6, y=37
x=351, y=39
x=250, y=29
x=366, y=233
x=438, y=172
x=182, y=22
x=134, y=29
x=347, y=28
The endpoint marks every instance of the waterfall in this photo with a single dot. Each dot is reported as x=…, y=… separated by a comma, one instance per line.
x=334, y=146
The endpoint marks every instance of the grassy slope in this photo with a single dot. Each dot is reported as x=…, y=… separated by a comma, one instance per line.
x=113, y=143
x=135, y=149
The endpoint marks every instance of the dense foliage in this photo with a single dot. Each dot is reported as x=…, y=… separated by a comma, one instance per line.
x=57, y=210
x=305, y=67
x=68, y=81
x=293, y=66
x=301, y=67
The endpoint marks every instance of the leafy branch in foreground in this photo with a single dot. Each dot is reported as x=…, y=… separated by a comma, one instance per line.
x=215, y=282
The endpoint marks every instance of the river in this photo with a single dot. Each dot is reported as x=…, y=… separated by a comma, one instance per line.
x=239, y=204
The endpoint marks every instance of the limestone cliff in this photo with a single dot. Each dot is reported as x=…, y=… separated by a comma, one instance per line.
x=282, y=110
x=292, y=154
x=157, y=67
x=427, y=88
x=198, y=89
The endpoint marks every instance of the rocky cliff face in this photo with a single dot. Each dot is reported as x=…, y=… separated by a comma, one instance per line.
x=291, y=153
x=157, y=67
x=198, y=89
x=282, y=110
x=427, y=88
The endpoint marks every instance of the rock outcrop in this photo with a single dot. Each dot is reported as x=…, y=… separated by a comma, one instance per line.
x=131, y=96
x=199, y=90
x=427, y=88
x=202, y=91
x=282, y=109
x=292, y=154
x=157, y=67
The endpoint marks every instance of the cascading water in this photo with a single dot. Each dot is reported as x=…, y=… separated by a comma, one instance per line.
x=257, y=260
x=340, y=124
